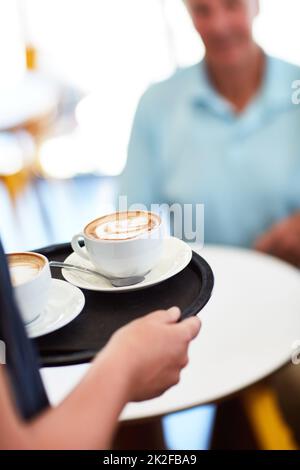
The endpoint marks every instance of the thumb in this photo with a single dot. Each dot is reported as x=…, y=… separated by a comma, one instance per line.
x=172, y=315
x=190, y=328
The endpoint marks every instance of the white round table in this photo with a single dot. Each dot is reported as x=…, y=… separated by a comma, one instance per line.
x=248, y=331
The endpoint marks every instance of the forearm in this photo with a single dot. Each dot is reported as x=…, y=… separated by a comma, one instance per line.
x=87, y=419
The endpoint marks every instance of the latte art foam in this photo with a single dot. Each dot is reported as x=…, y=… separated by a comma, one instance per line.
x=24, y=267
x=123, y=225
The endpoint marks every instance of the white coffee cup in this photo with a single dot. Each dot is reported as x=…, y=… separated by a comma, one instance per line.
x=31, y=279
x=122, y=244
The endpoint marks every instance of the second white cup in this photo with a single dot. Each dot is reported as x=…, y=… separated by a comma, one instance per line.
x=31, y=278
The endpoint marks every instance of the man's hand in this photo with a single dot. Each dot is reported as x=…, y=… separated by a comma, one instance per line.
x=283, y=240
x=152, y=351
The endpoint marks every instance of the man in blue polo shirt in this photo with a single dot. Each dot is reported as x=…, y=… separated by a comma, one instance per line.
x=224, y=133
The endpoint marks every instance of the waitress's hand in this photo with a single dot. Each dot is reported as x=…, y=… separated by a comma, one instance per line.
x=152, y=351
x=283, y=240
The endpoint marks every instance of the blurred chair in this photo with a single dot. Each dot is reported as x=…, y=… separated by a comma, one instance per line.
x=264, y=416
x=252, y=420
x=17, y=150
x=27, y=115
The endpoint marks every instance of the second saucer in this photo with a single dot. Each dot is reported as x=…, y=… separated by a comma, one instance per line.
x=176, y=256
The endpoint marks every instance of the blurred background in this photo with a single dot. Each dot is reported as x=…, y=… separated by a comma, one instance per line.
x=72, y=72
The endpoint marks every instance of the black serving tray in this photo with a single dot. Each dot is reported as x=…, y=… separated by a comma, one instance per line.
x=104, y=312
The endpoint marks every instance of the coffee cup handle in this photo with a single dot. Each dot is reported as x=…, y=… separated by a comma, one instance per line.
x=79, y=250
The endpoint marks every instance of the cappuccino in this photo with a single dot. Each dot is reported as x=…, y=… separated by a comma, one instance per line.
x=122, y=225
x=24, y=267
x=31, y=279
x=122, y=244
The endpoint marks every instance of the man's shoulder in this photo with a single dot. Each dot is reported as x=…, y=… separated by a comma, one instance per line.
x=182, y=76
x=286, y=69
x=169, y=90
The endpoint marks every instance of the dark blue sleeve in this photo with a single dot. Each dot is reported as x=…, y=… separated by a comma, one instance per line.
x=21, y=359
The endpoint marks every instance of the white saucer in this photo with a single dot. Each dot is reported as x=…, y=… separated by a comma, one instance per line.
x=65, y=304
x=176, y=256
